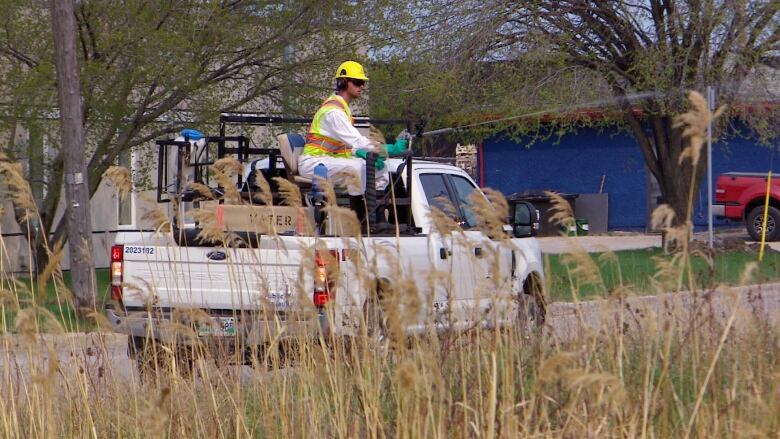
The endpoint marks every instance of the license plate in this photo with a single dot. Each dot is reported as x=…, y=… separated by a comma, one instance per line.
x=220, y=327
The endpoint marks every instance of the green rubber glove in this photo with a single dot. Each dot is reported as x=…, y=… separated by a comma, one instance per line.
x=399, y=147
x=379, y=162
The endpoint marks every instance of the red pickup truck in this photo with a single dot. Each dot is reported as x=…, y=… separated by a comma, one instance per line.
x=741, y=196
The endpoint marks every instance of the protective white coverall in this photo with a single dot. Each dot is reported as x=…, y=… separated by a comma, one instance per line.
x=336, y=125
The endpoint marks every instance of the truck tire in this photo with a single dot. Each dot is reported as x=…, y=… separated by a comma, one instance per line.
x=376, y=321
x=152, y=359
x=531, y=305
x=147, y=356
x=755, y=221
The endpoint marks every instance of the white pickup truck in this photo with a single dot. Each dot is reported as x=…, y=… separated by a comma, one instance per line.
x=286, y=281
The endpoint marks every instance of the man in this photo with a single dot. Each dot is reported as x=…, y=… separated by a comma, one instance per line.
x=333, y=140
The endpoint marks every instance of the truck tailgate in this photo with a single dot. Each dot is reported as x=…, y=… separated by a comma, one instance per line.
x=214, y=278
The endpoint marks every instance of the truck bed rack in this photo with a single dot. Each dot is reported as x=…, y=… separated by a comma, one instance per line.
x=381, y=208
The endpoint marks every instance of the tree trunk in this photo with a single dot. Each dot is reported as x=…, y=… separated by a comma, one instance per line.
x=77, y=214
x=36, y=160
x=41, y=248
x=662, y=147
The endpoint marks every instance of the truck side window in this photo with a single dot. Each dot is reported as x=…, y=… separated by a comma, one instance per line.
x=436, y=193
x=464, y=190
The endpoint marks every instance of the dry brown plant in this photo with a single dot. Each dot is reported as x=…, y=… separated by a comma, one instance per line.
x=351, y=180
x=202, y=190
x=344, y=221
x=52, y=267
x=210, y=230
x=376, y=135
x=18, y=187
x=639, y=374
x=663, y=218
x=695, y=122
x=443, y=220
x=158, y=217
x=669, y=270
x=748, y=273
x=562, y=212
x=224, y=171
x=491, y=212
x=228, y=166
x=328, y=191
x=265, y=195
x=289, y=191
x=582, y=267
x=400, y=297
x=406, y=376
x=119, y=177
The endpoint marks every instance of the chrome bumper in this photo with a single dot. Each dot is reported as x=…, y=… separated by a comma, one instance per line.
x=251, y=331
x=718, y=210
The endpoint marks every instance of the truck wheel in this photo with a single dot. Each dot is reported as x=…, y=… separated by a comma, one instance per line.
x=755, y=222
x=531, y=304
x=376, y=322
x=153, y=359
x=146, y=354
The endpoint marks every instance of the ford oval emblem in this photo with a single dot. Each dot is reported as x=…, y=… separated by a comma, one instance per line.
x=216, y=255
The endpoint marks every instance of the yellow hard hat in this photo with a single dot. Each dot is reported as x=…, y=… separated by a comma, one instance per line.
x=352, y=70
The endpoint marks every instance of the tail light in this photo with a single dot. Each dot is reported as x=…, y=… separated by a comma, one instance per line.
x=326, y=268
x=117, y=254
x=535, y=223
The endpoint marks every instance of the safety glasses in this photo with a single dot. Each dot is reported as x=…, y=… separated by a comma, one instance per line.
x=358, y=82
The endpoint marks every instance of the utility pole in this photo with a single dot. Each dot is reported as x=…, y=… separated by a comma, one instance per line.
x=77, y=213
x=711, y=108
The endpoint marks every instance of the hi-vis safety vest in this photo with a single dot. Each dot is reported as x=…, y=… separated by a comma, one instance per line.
x=318, y=144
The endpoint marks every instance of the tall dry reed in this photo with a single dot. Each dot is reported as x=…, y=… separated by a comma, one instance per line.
x=678, y=371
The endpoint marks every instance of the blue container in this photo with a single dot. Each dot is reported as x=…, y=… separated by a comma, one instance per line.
x=320, y=173
x=191, y=134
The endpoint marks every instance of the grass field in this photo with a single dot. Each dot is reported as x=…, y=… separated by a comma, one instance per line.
x=54, y=299
x=637, y=269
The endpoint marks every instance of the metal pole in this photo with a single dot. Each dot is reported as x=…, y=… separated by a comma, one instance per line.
x=766, y=214
x=711, y=106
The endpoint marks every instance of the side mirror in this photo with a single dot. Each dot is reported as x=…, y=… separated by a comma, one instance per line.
x=524, y=220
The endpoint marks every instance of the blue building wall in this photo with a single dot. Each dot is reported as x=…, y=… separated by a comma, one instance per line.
x=576, y=162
